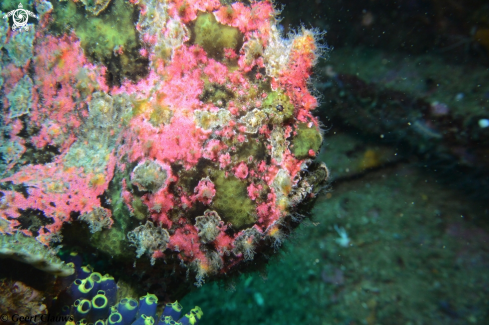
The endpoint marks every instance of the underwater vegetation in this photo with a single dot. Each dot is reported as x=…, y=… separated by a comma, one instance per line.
x=169, y=142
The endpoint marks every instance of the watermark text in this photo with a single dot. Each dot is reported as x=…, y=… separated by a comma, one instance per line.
x=40, y=318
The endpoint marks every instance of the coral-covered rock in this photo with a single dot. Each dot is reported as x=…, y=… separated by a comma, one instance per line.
x=201, y=163
x=28, y=250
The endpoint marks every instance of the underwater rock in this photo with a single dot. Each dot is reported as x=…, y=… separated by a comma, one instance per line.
x=20, y=98
x=430, y=130
x=20, y=46
x=27, y=250
x=202, y=164
x=17, y=298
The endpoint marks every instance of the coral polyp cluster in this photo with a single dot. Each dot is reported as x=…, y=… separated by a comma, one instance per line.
x=201, y=163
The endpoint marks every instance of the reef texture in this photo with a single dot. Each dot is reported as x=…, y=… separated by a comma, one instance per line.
x=17, y=298
x=200, y=161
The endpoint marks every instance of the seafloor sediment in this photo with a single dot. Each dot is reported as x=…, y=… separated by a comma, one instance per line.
x=417, y=255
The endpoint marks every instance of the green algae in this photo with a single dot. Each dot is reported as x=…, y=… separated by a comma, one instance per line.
x=141, y=211
x=216, y=94
x=278, y=107
x=112, y=242
x=214, y=37
x=161, y=115
x=255, y=147
x=307, y=138
x=110, y=38
x=231, y=201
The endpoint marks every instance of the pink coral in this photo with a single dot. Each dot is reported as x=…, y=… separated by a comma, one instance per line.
x=64, y=82
x=254, y=191
x=213, y=149
x=186, y=242
x=241, y=171
x=179, y=141
x=248, y=19
x=224, y=160
x=216, y=72
x=56, y=192
x=205, y=191
x=188, y=9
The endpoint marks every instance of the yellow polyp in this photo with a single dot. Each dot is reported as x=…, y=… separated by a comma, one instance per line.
x=55, y=187
x=186, y=113
x=141, y=107
x=148, y=145
x=229, y=11
x=305, y=42
x=204, y=266
x=54, y=131
x=273, y=231
x=206, y=121
x=182, y=8
x=283, y=203
x=61, y=64
x=286, y=188
x=97, y=180
x=161, y=114
x=69, y=170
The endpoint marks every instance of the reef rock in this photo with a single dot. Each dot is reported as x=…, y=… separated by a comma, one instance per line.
x=197, y=165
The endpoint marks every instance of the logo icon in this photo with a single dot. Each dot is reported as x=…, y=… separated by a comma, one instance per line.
x=20, y=17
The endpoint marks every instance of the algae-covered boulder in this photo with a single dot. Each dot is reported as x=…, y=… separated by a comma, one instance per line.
x=200, y=164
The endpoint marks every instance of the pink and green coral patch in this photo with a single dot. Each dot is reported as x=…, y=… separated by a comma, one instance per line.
x=201, y=162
